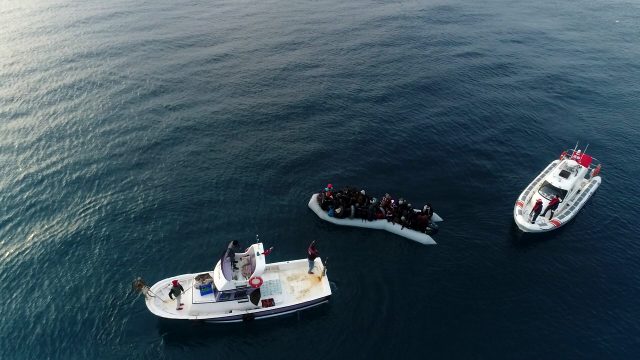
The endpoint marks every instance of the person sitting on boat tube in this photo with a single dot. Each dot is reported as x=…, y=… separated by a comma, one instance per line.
x=362, y=205
x=535, y=211
x=402, y=206
x=428, y=210
x=553, y=205
x=389, y=214
x=373, y=208
x=411, y=216
x=176, y=290
x=385, y=203
x=331, y=212
x=362, y=198
x=312, y=254
x=329, y=190
x=324, y=201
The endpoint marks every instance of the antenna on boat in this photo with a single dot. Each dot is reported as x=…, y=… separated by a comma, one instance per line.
x=324, y=267
x=257, y=238
x=576, y=147
x=585, y=149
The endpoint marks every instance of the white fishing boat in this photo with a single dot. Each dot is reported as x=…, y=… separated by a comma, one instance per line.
x=241, y=287
x=573, y=179
x=380, y=224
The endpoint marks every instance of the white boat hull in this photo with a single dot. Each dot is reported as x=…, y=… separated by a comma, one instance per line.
x=375, y=224
x=568, y=209
x=286, y=283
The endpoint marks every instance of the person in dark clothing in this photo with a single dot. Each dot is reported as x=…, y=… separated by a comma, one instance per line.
x=362, y=198
x=411, y=217
x=354, y=199
x=176, y=290
x=403, y=212
x=421, y=222
x=389, y=215
x=428, y=211
x=232, y=249
x=362, y=205
x=373, y=207
x=535, y=211
x=553, y=205
x=385, y=203
x=402, y=207
x=324, y=201
x=312, y=254
x=234, y=246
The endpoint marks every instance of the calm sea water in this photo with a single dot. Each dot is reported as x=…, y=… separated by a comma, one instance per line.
x=139, y=137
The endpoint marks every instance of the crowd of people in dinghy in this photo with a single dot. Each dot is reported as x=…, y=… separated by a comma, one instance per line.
x=356, y=204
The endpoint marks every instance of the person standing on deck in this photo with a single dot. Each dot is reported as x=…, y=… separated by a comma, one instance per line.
x=313, y=253
x=553, y=205
x=233, y=249
x=535, y=211
x=176, y=290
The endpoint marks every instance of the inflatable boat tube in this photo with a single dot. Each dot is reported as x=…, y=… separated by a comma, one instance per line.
x=375, y=224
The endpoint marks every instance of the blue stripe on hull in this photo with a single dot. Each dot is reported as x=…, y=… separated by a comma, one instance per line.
x=268, y=313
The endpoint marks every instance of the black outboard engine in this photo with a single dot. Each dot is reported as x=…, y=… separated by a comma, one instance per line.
x=431, y=229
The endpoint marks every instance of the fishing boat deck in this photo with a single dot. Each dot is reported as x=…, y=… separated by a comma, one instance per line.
x=289, y=282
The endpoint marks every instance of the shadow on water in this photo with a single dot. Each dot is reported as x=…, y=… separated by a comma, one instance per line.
x=522, y=240
x=180, y=333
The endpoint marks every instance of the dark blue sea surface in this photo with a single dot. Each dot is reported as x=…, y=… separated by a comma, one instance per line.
x=138, y=137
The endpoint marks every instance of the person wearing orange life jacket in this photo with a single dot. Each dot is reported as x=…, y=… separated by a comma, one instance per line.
x=553, y=205
x=535, y=211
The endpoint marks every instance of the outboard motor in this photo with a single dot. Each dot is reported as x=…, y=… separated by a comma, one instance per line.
x=431, y=229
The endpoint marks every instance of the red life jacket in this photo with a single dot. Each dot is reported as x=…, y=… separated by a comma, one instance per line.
x=313, y=252
x=537, y=207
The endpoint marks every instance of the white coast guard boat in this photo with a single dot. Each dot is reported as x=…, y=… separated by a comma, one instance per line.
x=241, y=287
x=381, y=224
x=573, y=178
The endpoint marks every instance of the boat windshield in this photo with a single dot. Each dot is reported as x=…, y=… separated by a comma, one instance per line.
x=549, y=191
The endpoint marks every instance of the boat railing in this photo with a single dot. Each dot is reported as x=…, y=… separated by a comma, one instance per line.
x=593, y=165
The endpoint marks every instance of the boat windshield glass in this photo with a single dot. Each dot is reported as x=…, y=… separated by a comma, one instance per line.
x=549, y=191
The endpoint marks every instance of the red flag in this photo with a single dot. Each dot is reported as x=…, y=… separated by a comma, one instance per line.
x=585, y=160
